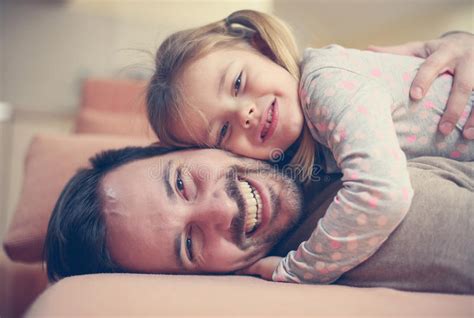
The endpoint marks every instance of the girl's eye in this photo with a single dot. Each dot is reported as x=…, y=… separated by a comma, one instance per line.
x=237, y=84
x=180, y=184
x=189, y=247
x=222, y=133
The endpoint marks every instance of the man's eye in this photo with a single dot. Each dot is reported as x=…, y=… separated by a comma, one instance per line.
x=223, y=133
x=224, y=130
x=237, y=84
x=180, y=184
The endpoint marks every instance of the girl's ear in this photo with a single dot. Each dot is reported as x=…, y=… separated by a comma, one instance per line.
x=259, y=44
x=158, y=144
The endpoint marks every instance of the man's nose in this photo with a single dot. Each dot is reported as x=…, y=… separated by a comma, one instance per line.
x=216, y=213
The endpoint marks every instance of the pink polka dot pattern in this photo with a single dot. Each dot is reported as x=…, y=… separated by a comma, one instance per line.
x=308, y=276
x=362, y=109
x=423, y=114
x=349, y=85
x=373, y=201
x=462, y=148
x=320, y=265
x=362, y=219
x=376, y=72
x=441, y=145
x=423, y=140
x=331, y=126
x=321, y=127
x=455, y=154
x=336, y=256
x=329, y=92
x=335, y=245
x=428, y=104
x=318, y=247
x=348, y=209
x=298, y=254
x=406, y=77
x=351, y=246
x=382, y=220
x=405, y=194
x=374, y=241
x=411, y=139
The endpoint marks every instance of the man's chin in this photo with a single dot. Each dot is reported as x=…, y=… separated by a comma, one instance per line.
x=288, y=212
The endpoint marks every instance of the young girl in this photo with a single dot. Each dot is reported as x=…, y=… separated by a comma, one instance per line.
x=236, y=84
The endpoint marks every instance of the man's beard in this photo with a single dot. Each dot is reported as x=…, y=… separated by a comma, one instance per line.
x=291, y=205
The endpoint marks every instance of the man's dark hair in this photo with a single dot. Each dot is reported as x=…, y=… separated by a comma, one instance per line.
x=76, y=239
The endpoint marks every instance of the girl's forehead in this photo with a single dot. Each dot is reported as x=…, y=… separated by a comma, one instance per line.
x=192, y=128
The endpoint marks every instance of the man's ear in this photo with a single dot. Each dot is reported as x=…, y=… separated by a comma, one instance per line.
x=259, y=44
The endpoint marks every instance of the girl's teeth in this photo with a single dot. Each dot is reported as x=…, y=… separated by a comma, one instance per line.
x=270, y=115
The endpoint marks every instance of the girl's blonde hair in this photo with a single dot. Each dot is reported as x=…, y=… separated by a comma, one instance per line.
x=264, y=32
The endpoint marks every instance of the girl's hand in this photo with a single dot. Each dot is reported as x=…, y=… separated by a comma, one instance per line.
x=453, y=52
x=264, y=267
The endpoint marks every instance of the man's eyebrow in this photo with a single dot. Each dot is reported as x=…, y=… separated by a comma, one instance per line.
x=177, y=252
x=166, y=179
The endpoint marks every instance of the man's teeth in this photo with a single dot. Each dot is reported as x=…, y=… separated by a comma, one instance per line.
x=253, y=206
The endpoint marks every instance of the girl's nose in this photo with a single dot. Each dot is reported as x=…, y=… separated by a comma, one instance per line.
x=246, y=116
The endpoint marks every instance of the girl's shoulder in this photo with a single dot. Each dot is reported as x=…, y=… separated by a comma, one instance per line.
x=363, y=62
x=333, y=55
x=330, y=60
x=335, y=61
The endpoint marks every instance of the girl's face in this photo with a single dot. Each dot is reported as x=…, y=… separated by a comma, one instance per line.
x=251, y=103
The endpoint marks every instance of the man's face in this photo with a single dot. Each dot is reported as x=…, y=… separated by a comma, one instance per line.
x=196, y=211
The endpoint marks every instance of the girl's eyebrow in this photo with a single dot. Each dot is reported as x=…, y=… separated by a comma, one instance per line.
x=222, y=78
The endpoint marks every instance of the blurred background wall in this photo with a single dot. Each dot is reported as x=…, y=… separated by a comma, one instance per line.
x=47, y=47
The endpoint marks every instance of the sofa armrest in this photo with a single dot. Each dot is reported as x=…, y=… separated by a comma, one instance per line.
x=166, y=295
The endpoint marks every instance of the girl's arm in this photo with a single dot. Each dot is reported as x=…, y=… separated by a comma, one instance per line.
x=454, y=51
x=351, y=116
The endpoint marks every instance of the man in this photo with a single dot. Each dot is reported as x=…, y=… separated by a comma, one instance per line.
x=167, y=211
x=158, y=210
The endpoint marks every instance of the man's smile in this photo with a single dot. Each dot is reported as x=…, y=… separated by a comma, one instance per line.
x=252, y=205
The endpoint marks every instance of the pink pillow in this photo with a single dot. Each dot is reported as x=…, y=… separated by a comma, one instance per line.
x=94, y=121
x=50, y=162
x=114, y=95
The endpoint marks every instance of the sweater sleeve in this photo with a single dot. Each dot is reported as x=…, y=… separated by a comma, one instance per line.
x=351, y=115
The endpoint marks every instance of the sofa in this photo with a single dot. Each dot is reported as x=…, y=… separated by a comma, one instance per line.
x=111, y=115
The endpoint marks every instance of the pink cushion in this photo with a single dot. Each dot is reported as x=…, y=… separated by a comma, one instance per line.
x=50, y=162
x=94, y=121
x=114, y=95
x=20, y=285
x=134, y=295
